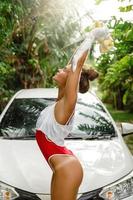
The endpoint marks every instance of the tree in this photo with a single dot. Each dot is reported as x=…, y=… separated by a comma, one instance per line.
x=116, y=66
x=34, y=34
x=126, y=8
x=7, y=72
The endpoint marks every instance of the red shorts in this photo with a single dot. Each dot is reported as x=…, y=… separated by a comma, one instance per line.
x=49, y=148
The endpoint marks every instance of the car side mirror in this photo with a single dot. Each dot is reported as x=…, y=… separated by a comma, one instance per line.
x=126, y=128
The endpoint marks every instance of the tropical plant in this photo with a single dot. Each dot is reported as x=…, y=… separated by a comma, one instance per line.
x=127, y=8
x=34, y=34
x=116, y=67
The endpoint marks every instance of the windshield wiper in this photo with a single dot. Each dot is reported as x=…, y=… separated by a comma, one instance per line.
x=74, y=138
x=98, y=136
x=101, y=137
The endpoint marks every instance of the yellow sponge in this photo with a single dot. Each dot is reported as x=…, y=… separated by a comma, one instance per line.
x=105, y=44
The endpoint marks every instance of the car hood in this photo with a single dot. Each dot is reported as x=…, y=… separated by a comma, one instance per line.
x=23, y=166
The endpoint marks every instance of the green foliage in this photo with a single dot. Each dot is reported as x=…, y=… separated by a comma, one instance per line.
x=120, y=73
x=7, y=74
x=33, y=38
x=126, y=8
x=116, y=67
x=98, y=1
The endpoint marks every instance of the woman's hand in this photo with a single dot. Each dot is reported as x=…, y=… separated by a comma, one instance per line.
x=82, y=60
x=97, y=34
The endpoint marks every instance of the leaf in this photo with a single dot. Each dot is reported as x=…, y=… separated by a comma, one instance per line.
x=129, y=35
x=125, y=97
x=126, y=8
x=98, y=1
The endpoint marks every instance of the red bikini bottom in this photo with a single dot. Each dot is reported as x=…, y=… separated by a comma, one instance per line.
x=49, y=148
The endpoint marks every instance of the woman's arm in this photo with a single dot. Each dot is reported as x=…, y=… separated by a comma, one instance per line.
x=65, y=106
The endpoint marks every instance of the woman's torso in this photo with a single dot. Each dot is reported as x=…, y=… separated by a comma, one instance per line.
x=51, y=128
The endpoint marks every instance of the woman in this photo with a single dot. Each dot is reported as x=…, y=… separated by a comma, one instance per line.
x=55, y=123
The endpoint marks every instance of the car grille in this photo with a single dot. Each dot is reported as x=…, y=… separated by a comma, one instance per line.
x=93, y=195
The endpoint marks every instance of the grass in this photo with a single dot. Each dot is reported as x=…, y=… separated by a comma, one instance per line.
x=122, y=116
x=129, y=141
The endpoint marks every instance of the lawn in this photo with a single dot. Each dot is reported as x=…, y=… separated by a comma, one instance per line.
x=119, y=115
x=122, y=116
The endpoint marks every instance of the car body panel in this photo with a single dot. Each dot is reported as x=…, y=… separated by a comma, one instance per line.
x=103, y=163
x=23, y=166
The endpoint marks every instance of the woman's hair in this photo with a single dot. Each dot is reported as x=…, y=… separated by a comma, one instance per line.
x=87, y=75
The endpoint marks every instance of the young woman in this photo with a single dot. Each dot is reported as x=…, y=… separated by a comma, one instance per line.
x=55, y=123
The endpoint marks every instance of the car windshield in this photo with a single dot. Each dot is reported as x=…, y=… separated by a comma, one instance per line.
x=91, y=121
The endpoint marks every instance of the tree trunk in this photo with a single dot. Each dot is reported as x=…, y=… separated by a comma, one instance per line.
x=119, y=99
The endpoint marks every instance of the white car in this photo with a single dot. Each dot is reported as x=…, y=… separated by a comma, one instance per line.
x=95, y=140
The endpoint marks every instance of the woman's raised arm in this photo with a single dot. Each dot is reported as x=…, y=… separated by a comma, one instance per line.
x=65, y=106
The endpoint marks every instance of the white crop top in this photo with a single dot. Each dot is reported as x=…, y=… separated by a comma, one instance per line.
x=51, y=128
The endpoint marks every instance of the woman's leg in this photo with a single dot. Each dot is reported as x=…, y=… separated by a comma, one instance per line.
x=67, y=177
x=52, y=182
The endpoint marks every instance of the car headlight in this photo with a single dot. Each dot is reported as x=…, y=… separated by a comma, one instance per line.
x=118, y=190
x=7, y=192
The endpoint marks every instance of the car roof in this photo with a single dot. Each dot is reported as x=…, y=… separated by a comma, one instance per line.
x=51, y=93
x=37, y=93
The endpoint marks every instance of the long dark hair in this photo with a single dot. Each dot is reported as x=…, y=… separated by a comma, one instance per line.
x=87, y=75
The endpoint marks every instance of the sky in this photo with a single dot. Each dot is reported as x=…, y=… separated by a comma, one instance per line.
x=103, y=11
x=106, y=9
x=111, y=7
